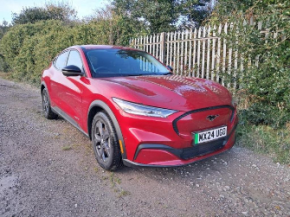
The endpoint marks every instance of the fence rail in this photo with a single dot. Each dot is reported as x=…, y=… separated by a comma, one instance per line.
x=200, y=52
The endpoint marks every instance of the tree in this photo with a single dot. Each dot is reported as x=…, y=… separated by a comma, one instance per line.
x=118, y=28
x=194, y=12
x=61, y=11
x=266, y=84
x=157, y=16
x=164, y=15
x=30, y=15
x=4, y=27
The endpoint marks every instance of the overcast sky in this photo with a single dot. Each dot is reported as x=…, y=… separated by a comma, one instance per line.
x=83, y=7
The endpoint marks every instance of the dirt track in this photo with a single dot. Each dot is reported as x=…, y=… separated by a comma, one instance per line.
x=47, y=168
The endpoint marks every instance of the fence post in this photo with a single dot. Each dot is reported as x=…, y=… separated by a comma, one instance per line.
x=162, y=47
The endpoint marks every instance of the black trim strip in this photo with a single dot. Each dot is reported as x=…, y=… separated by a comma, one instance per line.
x=68, y=119
x=174, y=123
x=157, y=146
x=129, y=163
x=178, y=152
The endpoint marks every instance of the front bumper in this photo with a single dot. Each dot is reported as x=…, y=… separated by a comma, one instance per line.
x=163, y=142
x=157, y=155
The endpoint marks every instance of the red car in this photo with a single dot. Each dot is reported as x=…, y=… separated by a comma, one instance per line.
x=134, y=110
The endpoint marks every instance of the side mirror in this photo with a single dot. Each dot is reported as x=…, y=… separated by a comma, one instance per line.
x=71, y=70
x=170, y=68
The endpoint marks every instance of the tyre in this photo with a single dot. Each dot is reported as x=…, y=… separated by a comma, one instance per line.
x=47, y=111
x=105, y=143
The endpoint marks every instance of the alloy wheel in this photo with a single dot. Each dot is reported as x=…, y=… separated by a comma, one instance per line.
x=102, y=140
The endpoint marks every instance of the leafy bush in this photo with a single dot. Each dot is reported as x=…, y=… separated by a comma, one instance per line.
x=29, y=48
x=264, y=139
x=266, y=75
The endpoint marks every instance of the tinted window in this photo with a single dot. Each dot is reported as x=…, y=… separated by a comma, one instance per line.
x=115, y=62
x=61, y=60
x=75, y=59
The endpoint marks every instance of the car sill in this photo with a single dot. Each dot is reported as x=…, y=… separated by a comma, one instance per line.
x=68, y=119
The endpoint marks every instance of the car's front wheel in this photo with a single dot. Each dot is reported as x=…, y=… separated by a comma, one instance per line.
x=105, y=142
x=47, y=111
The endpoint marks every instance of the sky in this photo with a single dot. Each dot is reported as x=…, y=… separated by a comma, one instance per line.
x=83, y=7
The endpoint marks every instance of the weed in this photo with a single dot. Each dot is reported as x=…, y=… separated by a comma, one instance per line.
x=96, y=169
x=124, y=193
x=114, y=180
x=66, y=148
x=266, y=140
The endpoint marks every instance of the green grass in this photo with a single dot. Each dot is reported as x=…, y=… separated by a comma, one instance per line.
x=124, y=193
x=265, y=140
x=66, y=148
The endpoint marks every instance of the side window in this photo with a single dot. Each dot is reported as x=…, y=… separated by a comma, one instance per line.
x=75, y=59
x=60, y=62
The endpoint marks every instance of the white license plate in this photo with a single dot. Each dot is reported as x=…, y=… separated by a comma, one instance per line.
x=210, y=135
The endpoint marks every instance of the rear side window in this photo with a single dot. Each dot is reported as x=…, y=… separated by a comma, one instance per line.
x=60, y=62
x=75, y=59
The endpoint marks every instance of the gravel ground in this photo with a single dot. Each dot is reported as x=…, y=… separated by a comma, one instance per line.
x=47, y=168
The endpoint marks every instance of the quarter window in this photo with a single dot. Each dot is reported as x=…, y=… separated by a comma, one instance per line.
x=60, y=62
x=75, y=59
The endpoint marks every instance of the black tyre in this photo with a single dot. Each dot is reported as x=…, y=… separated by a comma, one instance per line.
x=47, y=111
x=105, y=143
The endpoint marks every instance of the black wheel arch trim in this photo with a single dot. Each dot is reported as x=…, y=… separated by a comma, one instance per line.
x=174, y=123
x=45, y=87
x=111, y=115
x=176, y=152
x=43, y=84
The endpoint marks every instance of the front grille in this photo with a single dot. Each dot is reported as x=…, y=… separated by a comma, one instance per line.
x=174, y=123
x=202, y=149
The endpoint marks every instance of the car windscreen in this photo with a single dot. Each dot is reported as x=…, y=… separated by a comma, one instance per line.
x=118, y=62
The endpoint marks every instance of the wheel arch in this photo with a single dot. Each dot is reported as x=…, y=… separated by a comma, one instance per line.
x=42, y=86
x=97, y=106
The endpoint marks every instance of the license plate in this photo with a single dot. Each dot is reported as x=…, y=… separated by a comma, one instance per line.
x=210, y=135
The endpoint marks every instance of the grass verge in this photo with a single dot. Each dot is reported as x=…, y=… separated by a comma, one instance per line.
x=266, y=140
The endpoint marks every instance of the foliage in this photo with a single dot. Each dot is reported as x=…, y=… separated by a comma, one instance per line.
x=3, y=29
x=264, y=139
x=61, y=11
x=29, y=48
x=163, y=15
x=158, y=16
x=121, y=29
x=193, y=13
x=267, y=83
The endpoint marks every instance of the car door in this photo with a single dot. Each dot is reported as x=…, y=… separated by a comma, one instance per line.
x=56, y=78
x=69, y=90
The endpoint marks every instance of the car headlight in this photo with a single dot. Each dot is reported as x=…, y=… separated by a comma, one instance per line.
x=137, y=109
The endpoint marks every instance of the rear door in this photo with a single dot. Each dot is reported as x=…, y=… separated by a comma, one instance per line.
x=56, y=77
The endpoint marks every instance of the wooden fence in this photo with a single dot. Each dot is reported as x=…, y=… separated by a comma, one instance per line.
x=200, y=52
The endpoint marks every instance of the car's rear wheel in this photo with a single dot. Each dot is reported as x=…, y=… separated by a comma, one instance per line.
x=47, y=111
x=105, y=142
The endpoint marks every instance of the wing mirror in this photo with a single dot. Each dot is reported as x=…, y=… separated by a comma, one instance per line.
x=71, y=70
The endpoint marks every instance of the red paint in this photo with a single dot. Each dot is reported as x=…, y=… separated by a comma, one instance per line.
x=74, y=95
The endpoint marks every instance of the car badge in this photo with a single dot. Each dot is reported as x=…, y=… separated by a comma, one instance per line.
x=211, y=117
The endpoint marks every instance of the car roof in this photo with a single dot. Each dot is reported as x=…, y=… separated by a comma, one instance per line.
x=95, y=47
